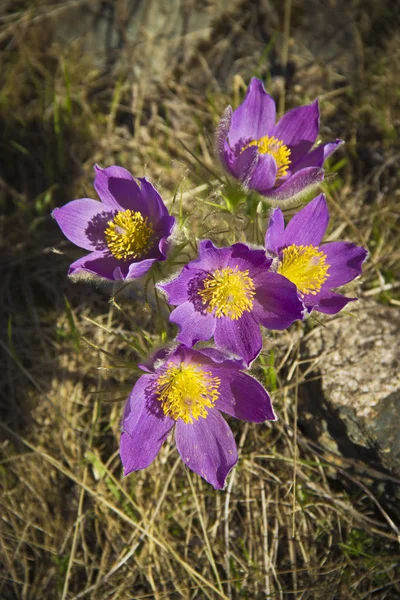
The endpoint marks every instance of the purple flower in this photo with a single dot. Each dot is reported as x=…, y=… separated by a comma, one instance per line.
x=313, y=268
x=276, y=160
x=227, y=293
x=126, y=232
x=189, y=389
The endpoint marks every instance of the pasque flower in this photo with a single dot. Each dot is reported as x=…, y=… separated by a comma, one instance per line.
x=228, y=293
x=188, y=389
x=314, y=268
x=275, y=159
x=126, y=232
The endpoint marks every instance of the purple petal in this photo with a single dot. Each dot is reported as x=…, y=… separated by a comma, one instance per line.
x=299, y=126
x=118, y=189
x=242, y=166
x=248, y=259
x=328, y=302
x=241, y=336
x=345, y=260
x=100, y=264
x=209, y=356
x=298, y=184
x=177, y=290
x=128, y=194
x=263, y=175
x=163, y=247
x=104, y=265
x=274, y=237
x=151, y=199
x=145, y=427
x=193, y=324
x=254, y=117
x=207, y=447
x=210, y=257
x=83, y=222
x=213, y=355
x=238, y=255
x=221, y=137
x=243, y=397
x=164, y=226
x=162, y=231
x=308, y=226
x=138, y=269
x=316, y=157
x=276, y=303
x=228, y=158
x=101, y=184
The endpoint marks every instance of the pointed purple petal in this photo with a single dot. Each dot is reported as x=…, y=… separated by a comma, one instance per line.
x=308, y=226
x=254, y=117
x=100, y=264
x=101, y=184
x=151, y=199
x=345, y=260
x=299, y=126
x=328, y=302
x=128, y=195
x=211, y=355
x=163, y=247
x=177, y=290
x=238, y=255
x=274, y=237
x=243, y=165
x=263, y=175
x=316, y=157
x=298, y=184
x=118, y=189
x=297, y=153
x=228, y=158
x=138, y=269
x=210, y=257
x=248, y=259
x=162, y=231
x=193, y=325
x=241, y=336
x=145, y=427
x=276, y=303
x=243, y=397
x=207, y=447
x=83, y=222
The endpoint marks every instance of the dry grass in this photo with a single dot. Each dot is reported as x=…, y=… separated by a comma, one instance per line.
x=295, y=520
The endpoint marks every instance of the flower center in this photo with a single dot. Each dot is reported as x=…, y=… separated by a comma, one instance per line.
x=277, y=149
x=304, y=266
x=129, y=235
x=185, y=392
x=229, y=292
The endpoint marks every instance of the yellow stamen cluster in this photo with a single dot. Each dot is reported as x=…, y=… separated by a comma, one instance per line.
x=129, y=235
x=186, y=391
x=277, y=149
x=228, y=292
x=304, y=266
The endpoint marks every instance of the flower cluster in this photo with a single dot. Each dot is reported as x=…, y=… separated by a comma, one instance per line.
x=225, y=294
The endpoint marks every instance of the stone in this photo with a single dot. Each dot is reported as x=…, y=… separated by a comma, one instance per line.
x=353, y=406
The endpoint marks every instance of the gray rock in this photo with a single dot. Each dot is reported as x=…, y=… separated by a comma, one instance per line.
x=354, y=406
